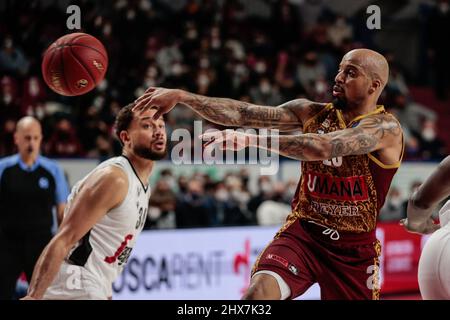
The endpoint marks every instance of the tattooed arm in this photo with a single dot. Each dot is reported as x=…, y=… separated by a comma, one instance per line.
x=373, y=133
x=228, y=112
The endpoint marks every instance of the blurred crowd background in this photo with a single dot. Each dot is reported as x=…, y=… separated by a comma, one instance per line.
x=262, y=51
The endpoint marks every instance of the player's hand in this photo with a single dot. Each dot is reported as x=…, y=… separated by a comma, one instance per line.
x=421, y=227
x=160, y=98
x=226, y=139
x=28, y=298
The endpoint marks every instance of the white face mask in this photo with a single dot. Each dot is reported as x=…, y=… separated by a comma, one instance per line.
x=8, y=43
x=216, y=43
x=428, y=134
x=7, y=98
x=266, y=187
x=131, y=14
x=152, y=72
x=204, y=63
x=34, y=87
x=107, y=29
x=260, y=67
x=265, y=87
x=396, y=202
x=150, y=82
x=221, y=195
x=203, y=80
x=177, y=69
x=103, y=85
x=192, y=34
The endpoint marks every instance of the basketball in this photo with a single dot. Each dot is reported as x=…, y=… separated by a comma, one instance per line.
x=74, y=64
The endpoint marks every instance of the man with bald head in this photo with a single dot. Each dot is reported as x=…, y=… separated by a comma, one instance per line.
x=350, y=150
x=31, y=186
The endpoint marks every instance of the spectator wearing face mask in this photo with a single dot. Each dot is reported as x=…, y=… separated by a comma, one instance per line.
x=275, y=210
x=266, y=93
x=309, y=70
x=264, y=186
x=7, y=147
x=191, y=210
x=12, y=59
x=393, y=208
x=411, y=114
x=9, y=99
x=161, y=212
x=236, y=212
x=431, y=146
x=64, y=142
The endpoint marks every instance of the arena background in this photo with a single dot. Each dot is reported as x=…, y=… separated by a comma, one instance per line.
x=207, y=223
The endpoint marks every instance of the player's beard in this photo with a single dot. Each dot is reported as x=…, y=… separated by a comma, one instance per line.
x=149, y=153
x=340, y=103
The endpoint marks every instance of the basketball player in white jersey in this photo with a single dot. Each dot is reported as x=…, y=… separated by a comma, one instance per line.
x=434, y=263
x=106, y=211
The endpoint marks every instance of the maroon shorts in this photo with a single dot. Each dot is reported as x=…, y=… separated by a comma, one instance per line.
x=305, y=253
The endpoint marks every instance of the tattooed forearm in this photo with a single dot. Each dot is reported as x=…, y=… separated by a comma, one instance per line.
x=218, y=110
x=367, y=137
x=352, y=143
x=229, y=112
x=306, y=147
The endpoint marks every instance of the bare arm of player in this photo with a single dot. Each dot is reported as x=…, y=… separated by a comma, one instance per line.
x=60, y=212
x=422, y=203
x=373, y=133
x=104, y=190
x=228, y=112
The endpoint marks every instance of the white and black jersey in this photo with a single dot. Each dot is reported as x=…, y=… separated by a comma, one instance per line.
x=100, y=256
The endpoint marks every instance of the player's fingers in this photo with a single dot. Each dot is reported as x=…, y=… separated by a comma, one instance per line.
x=143, y=97
x=145, y=104
x=157, y=114
x=151, y=89
x=403, y=222
x=140, y=104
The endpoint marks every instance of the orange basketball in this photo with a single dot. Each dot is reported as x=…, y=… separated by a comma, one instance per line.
x=74, y=64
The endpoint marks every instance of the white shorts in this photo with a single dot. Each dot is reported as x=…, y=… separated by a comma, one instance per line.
x=434, y=264
x=76, y=283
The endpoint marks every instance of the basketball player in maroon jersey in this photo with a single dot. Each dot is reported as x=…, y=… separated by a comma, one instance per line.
x=350, y=150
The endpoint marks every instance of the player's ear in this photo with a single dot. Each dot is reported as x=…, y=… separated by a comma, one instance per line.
x=374, y=86
x=124, y=137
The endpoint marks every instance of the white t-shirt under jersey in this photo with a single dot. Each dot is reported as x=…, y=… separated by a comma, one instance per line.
x=100, y=256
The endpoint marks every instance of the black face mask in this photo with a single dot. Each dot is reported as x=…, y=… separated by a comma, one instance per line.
x=195, y=196
x=63, y=135
x=310, y=62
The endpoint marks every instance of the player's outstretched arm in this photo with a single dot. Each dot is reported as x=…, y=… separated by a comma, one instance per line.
x=422, y=203
x=373, y=133
x=228, y=112
x=102, y=191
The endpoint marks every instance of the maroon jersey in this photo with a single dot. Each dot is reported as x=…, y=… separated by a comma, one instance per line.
x=344, y=193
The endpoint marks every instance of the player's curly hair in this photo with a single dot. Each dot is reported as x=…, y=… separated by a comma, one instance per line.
x=123, y=120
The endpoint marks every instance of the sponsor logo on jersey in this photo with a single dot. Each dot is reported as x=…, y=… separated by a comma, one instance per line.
x=336, y=188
